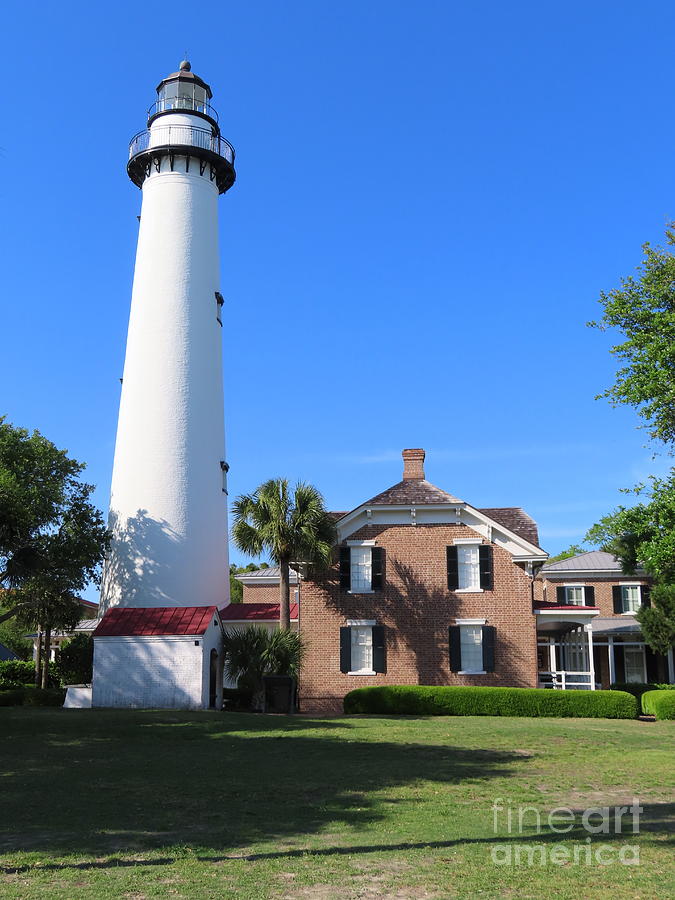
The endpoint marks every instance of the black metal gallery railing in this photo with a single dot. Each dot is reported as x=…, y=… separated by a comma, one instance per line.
x=181, y=136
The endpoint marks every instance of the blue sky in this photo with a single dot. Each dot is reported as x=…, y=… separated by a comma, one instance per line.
x=430, y=198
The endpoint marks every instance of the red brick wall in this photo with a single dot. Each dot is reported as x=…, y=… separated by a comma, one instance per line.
x=416, y=609
x=262, y=593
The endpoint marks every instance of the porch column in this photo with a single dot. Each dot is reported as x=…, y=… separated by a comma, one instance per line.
x=610, y=650
x=591, y=662
x=551, y=661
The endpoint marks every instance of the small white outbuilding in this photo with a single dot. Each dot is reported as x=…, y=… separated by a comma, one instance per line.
x=159, y=657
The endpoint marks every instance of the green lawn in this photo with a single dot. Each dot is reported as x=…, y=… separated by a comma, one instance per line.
x=158, y=804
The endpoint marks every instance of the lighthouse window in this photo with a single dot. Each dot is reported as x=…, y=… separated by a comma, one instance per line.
x=219, y=307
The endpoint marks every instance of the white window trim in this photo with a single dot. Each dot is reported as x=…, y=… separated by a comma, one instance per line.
x=362, y=623
x=469, y=542
x=472, y=622
x=351, y=544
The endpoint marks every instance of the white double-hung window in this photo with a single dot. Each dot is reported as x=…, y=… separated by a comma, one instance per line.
x=468, y=567
x=471, y=644
x=630, y=598
x=574, y=595
x=362, y=648
x=361, y=569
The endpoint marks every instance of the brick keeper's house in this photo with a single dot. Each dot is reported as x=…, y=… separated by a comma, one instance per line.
x=427, y=589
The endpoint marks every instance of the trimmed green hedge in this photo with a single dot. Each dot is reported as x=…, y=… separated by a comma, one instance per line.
x=638, y=689
x=420, y=700
x=32, y=696
x=16, y=673
x=659, y=703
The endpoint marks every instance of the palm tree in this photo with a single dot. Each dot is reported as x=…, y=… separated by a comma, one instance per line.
x=289, y=527
x=253, y=652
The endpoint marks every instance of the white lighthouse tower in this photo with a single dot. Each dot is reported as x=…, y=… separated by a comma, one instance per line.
x=168, y=506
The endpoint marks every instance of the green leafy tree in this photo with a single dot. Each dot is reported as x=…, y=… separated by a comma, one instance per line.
x=643, y=310
x=52, y=539
x=644, y=536
x=289, y=526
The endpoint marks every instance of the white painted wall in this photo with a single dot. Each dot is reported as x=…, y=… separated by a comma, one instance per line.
x=167, y=510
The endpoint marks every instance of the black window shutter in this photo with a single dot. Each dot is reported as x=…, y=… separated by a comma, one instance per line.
x=379, y=649
x=345, y=649
x=489, y=648
x=377, y=572
x=453, y=569
x=645, y=592
x=589, y=595
x=455, y=647
x=345, y=568
x=560, y=595
x=617, y=598
x=485, y=566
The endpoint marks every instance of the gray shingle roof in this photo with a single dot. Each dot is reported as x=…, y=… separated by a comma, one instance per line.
x=411, y=491
x=593, y=561
x=516, y=520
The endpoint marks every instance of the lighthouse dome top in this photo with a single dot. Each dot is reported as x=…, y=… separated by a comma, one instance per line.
x=184, y=82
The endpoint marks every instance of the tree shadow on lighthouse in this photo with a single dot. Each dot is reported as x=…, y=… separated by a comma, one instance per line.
x=138, y=562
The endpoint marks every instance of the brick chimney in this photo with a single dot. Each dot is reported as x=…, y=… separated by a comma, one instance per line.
x=413, y=465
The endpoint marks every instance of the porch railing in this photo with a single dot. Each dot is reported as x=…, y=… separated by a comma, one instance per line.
x=565, y=680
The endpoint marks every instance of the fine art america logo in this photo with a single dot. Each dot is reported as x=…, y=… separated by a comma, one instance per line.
x=597, y=822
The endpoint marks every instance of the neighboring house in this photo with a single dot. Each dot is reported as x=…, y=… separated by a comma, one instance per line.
x=587, y=600
x=428, y=589
x=58, y=638
x=262, y=585
x=6, y=653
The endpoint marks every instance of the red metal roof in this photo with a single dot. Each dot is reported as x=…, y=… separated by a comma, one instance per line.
x=570, y=606
x=255, y=612
x=128, y=621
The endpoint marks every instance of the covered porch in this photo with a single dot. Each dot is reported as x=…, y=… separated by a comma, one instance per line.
x=577, y=649
x=565, y=648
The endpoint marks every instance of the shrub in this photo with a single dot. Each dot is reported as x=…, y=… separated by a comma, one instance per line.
x=659, y=703
x=15, y=673
x=12, y=697
x=637, y=690
x=75, y=660
x=33, y=696
x=419, y=700
x=251, y=652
